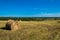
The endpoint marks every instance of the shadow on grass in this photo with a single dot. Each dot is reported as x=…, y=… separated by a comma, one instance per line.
x=5, y=28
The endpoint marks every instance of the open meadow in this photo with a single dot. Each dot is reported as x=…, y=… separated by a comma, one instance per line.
x=32, y=30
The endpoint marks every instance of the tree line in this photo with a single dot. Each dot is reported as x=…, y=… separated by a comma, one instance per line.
x=30, y=18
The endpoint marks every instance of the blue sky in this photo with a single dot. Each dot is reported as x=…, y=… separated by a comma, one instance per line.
x=30, y=8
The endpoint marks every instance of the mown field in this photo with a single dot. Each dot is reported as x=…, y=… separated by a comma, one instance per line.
x=32, y=30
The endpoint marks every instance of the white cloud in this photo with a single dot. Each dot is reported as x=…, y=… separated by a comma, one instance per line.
x=40, y=9
x=47, y=15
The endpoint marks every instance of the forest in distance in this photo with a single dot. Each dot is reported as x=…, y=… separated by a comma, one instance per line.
x=30, y=18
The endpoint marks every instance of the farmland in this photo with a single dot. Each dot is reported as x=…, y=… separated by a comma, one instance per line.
x=32, y=30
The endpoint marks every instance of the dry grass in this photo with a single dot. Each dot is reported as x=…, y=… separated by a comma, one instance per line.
x=32, y=30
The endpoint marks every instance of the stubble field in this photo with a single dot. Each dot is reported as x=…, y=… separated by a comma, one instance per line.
x=32, y=30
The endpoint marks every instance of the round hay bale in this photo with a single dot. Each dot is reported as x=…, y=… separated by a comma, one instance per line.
x=8, y=24
x=12, y=25
x=58, y=21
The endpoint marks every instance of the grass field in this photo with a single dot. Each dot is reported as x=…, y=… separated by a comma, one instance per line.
x=32, y=30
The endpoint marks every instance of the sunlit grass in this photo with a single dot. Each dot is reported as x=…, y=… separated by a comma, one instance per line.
x=32, y=30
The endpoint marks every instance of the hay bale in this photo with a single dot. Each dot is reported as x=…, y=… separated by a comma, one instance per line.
x=58, y=21
x=12, y=25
